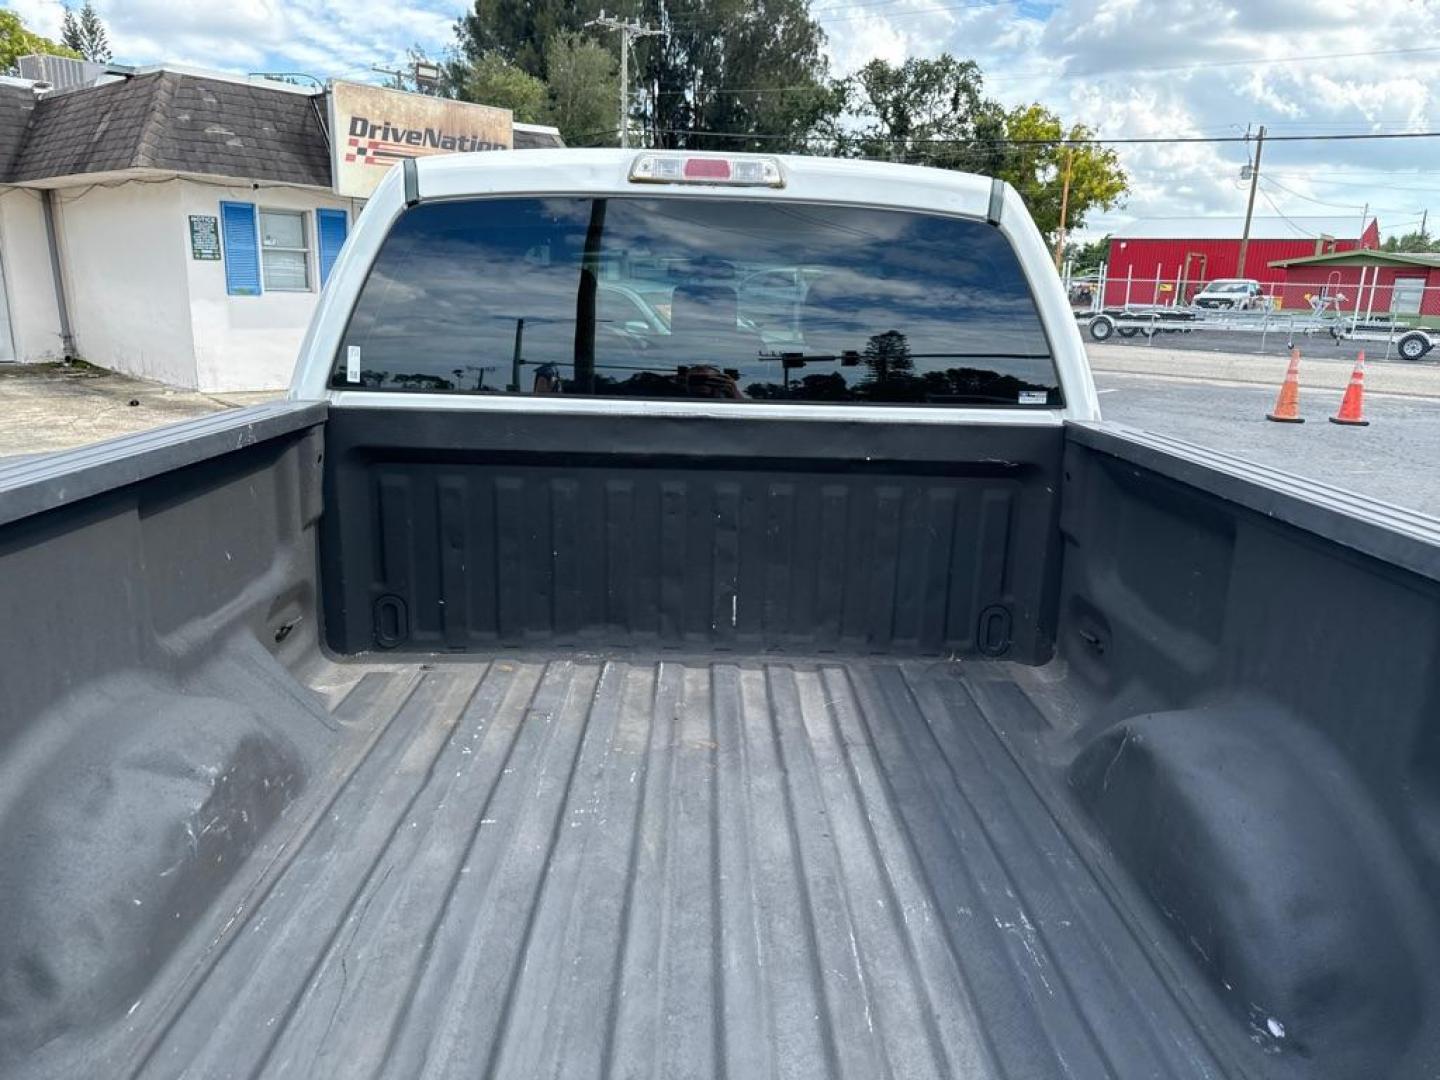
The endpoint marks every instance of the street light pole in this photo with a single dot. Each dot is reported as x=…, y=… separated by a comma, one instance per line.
x=1250, y=206
x=629, y=31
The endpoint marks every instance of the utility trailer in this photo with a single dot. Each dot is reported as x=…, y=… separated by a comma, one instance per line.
x=1141, y=320
x=1409, y=343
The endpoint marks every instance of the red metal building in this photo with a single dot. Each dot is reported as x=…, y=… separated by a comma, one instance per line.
x=1168, y=260
x=1372, y=282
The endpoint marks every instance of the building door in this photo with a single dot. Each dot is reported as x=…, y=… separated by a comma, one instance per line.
x=1193, y=275
x=7, y=335
x=1405, y=299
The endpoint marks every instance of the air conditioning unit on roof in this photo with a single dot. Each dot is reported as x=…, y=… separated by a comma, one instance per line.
x=61, y=72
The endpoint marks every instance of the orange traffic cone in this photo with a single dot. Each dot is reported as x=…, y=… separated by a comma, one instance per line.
x=1352, y=406
x=1287, y=405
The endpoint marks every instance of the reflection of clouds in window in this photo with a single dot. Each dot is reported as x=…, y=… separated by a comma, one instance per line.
x=564, y=210
x=450, y=285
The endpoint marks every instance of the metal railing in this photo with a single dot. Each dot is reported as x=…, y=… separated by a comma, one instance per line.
x=1375, y=305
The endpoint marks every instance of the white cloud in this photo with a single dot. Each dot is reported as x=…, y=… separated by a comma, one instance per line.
x=325, y=38
x=1135, y=68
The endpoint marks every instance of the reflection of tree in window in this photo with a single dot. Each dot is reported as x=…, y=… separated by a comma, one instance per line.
x=887, y=356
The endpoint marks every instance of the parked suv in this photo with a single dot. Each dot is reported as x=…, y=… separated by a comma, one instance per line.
x=1237, y=294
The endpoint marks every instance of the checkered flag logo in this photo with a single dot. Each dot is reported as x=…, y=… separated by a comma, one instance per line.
x=361, y=150
x=375, y=152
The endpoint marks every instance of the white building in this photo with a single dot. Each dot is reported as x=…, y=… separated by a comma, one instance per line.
x=168, y=224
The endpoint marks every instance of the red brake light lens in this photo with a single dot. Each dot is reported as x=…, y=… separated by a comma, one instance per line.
x=707, y=169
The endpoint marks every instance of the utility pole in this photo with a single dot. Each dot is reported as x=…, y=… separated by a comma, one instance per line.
x=1424, y=217
x=1250, y=206
x=629, y=31
x=1064, y=206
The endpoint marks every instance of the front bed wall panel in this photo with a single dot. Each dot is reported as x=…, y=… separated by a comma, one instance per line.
x=459, y=531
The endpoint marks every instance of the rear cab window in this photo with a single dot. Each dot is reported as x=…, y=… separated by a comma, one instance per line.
x=724, y=299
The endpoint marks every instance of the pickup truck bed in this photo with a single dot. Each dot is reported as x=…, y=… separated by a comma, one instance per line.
x=731, y=823
x=449, y=728
x=531, y=867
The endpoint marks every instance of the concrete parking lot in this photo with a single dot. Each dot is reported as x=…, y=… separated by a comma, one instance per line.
x=1321, y=368
x=48, y=407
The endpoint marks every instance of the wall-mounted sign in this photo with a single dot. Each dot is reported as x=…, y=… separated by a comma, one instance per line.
x=371, y=129
x=204, y=237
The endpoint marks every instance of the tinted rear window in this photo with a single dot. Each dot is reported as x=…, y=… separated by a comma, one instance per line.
x=685, y=298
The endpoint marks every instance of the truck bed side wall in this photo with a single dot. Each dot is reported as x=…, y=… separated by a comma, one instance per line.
x=151, y=573
x=1253, y=662
x=1175, y=595
x=155, y=590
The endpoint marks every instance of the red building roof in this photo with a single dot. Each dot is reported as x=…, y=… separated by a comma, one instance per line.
x=1344, y=227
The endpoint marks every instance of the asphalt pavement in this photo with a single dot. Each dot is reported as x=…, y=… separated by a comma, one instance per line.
x=1396, y=458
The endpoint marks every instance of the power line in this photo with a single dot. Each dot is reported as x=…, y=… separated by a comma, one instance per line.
x=1306, y=232
x=1370, y=186
x=1309, y=199
x=1145, y=140
x=1269, y=179
x=1295, y=225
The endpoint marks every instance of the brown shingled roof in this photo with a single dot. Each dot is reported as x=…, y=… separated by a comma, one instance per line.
x=17, y=103
x=176, y=122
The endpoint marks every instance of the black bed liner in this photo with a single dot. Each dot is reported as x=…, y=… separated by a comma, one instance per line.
x=745, y=868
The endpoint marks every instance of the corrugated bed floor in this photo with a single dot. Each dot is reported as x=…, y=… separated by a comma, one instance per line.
x=624, y=869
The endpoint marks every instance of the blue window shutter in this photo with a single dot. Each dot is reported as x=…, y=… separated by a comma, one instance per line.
x=331, y=226
x=242, y=248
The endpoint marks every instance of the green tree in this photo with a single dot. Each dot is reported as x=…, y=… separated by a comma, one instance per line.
x=16, y=41
x=583, y=85
x=1036, y=161
x=1415, y=242
x=935, y=112
x=1087, y=257
x=493, y=80
x=929, y=112
x=520, y=31
x=754, y=71
x=86, y=34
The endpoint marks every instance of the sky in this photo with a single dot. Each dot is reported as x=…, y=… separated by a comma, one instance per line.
x=1128, y=68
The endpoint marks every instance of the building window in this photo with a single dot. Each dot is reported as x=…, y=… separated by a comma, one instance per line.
x=284, y=251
